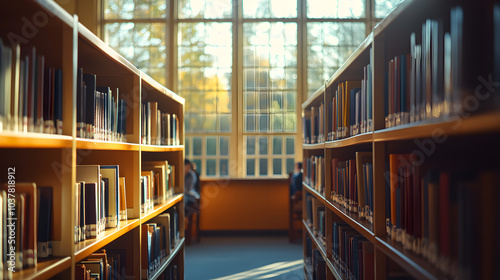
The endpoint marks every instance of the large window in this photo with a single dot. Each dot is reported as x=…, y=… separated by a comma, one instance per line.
x=243, y=67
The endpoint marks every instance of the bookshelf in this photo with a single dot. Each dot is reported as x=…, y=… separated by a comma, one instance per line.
x=430, y=172
x=51, y=159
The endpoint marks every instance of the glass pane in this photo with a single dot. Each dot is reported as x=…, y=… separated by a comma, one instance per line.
x=290, y=100
x=290, y=146
x=263, y=145
x=335, y=9
x=277, y=147
x=137, y=9
x=277, y=122
x=211, y=146
x=276, y=101
x=196, y=146
x=250, y=145
x=224, y=167
x=197, y=163
x=249, y=122
x=384, y=7
x=211, y=167
x=225, y=123
x=277, y=166
x=263, y=167
x=263, y=101
x=290, y=165
x=290, y=122
x=205, y=9
x=263, y=124
x=187, y=146
x=249, y=101
x=224, y=146
x=251, y=167
x=269, y=9
x=209, y=123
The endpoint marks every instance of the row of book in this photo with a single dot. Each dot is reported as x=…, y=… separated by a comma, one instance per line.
x=101, y=202
x=313, y=125
x=352, y=253
x=350, y=110
x=158, y=128
x=315, y=265
x=314, y=170
x=315, y=214
x=30, y=91
x=159, y=236
x=352, y=184
x=424, y=84
x=24, y=239
x=451, y=218
x=101, y=114
x=157, y=184
x=104, y=265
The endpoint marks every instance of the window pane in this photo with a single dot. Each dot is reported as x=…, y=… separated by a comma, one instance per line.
x=224, y=167
x=262, y=145
x=204, y=73
x=196, y=146
x=383, y=7
x=290, y=146
x=187, y=145
x=290, y=165
x=205, y=9
x=250, y=145
x=263, y=167
x=137, y=9
x=249, y=101
x=251, y=167
x=269, y=9
x=276, y=166
x=277, y=122
x=277, y=145
x=211, y=146
x=224, y=146
x=249, y=122
x=263, y=120
x=335, y=9
x=211, y=167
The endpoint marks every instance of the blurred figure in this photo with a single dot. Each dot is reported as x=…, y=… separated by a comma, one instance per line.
x=296, y=182
x=190, y=192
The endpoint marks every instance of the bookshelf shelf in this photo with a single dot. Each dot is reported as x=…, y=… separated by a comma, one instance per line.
x=364, y=138
x=91, y=144
x=34, y=140
x=158, y=209
x=421, y=78
x=85, y=248
x=321, y=248
x=157, y=148
x=169, y=259
x=418, y=267
x=481, y=124
x=45, y=268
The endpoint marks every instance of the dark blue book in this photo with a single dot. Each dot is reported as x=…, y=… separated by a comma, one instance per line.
x=403, y=84
x=58, y=101
x=44, y=221
x=90, y=103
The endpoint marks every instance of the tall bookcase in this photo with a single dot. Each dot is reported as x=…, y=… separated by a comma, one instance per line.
x=51, y=159
x=452, y=153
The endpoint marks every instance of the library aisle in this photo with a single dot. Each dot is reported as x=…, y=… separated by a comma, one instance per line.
x=244, y=258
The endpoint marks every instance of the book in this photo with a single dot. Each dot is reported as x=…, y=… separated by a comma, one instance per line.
x=45, y=212
x=111, y=173
x=123, y=199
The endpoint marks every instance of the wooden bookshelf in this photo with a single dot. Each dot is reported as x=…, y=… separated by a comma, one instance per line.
x=449, y=136
x=52, y=159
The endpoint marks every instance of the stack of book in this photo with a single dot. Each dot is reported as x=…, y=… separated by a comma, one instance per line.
x=158, y=128
x=100, y=197
x=100, y=265
x=315, y=213
x=352, y=184
x=436, y=213
x=30, y=92
x=313, y=125
x=352, y=253
x=101, y=114
x=157, y=184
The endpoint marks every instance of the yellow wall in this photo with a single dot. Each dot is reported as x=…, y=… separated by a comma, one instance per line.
x=244, y=205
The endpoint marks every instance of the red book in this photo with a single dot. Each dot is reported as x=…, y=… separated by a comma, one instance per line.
x=368, y=261
x=352, y=183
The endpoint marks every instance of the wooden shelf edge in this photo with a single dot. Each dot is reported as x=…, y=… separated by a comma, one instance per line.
x=364, y=46
x=34, y=140
x=159, y=148
x=91, y=144
x=416, y=266
x=358, y=225
x=351, y=141
x=450, y=127
x=322, y=250
x=158, y=209
x=316, y=146
x=172, y=255
x=45, y=268
x=84, y=249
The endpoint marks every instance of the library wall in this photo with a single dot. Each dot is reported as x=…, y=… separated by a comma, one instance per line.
x=244, y=205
